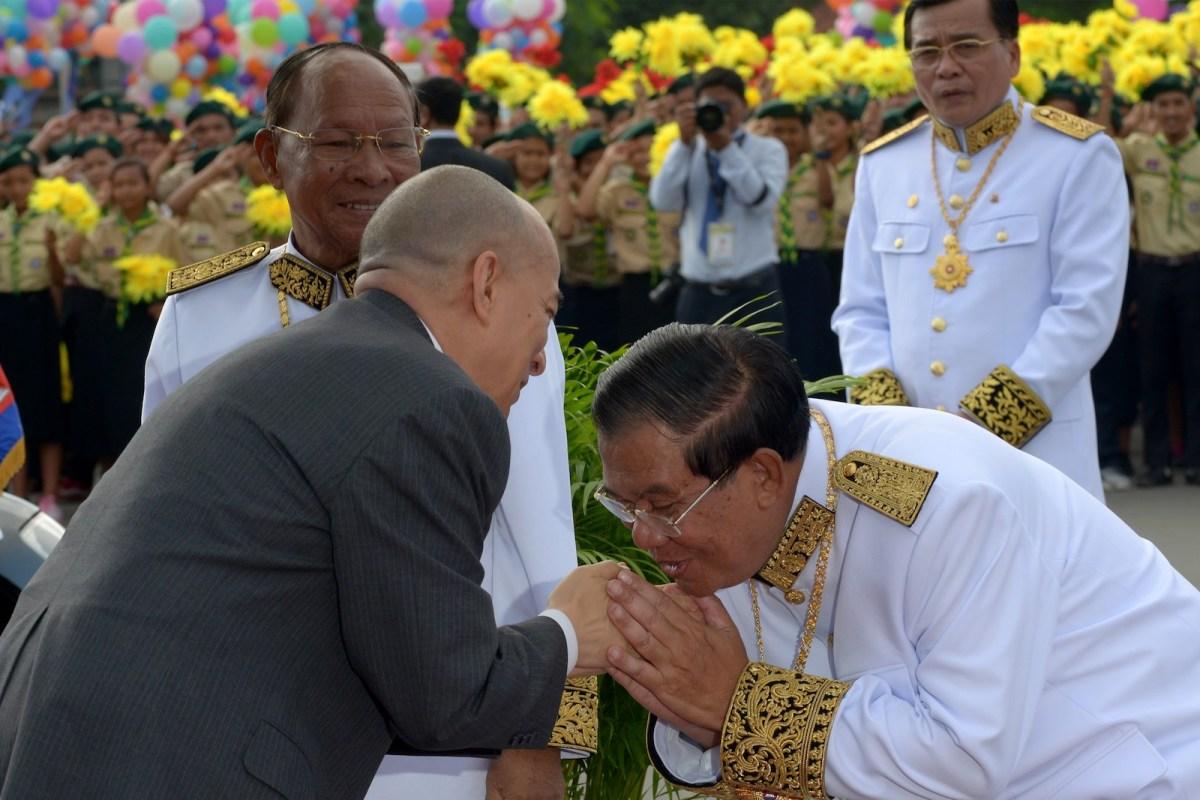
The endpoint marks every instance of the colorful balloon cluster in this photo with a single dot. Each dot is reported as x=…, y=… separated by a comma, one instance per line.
x=39, y=36
x=178, y=48
x=866, y=19
x=419, y=31
x=529, y=29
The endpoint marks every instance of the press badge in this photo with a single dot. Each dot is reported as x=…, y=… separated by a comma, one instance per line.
x=720, y=243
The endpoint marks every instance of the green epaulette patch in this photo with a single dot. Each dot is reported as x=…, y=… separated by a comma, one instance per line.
x=1064, y=122
x=899, y=133
x=219, y=266
x=894, y=488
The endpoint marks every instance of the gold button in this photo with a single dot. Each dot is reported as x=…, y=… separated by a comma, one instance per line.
x=849, y=469
x=794, y=596
x=937, y=368
x=995, y=198
x=949, y=239
x=941, y=407
x=912, y=201
x=963, y=164
x=956, y=201
x=938, y=324
x=1002, y=237
x=899, y=243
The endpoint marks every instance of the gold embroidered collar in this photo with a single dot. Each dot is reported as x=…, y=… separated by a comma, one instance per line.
x=311, y=285
x=992, y=128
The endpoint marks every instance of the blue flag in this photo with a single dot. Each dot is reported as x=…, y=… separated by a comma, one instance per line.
x=12, y=438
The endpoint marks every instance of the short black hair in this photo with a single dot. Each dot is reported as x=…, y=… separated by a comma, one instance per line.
x=443, y=97
x=1006, y=17
x=720, y=76
x=131, y=163
x=287, y=81
x=724, y=391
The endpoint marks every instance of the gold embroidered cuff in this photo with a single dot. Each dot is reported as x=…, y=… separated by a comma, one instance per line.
x=777, y=731
x=578, y=725
x=881, y=387
x=1007, y=406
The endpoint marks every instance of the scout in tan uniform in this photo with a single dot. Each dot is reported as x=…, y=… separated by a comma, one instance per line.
x=802, y=230
x=835, y=131
x=209, y=125
x=134, y=226
x=644, y=242
x=212, y=203
x=1165, y=171
x=28, y=324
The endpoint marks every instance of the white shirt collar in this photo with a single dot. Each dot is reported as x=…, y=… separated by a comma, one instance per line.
x=442, y=133
x=436, y=344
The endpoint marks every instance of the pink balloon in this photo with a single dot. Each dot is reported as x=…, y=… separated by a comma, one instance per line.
x=264, y=8
x=1154, y=9
x=149, y=8
x=440, y=9
x=202, y=37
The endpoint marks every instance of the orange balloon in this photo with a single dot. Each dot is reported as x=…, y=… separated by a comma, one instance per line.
x=104, y=41
x=40, y=78
x=185, y=50
x=35, y=42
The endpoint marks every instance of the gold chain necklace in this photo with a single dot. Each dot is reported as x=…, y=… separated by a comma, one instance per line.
x=804, y=641
x=951, y=269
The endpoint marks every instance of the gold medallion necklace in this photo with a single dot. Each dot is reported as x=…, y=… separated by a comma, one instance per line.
x=804, y=641
x=951, y=269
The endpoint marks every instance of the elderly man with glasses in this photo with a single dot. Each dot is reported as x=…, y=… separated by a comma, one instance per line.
x=987, y=249
x=340, y=135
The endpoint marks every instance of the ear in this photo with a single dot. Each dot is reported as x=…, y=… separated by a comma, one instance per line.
x=264, y=146
x=485, y=277
x=424, y=117
x=766, y=470
x=1014, y=54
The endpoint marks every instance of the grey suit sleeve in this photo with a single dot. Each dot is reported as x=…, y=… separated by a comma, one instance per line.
x=408, y=527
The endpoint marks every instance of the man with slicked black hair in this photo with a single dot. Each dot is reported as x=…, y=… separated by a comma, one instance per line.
x=441, y=101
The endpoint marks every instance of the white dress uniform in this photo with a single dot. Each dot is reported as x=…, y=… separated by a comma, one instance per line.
x=1047, y=240
x=530, y=546
x=1016, y=641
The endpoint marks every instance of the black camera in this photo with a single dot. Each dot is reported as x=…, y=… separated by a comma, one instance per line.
x=710, y=116
x=668, y=287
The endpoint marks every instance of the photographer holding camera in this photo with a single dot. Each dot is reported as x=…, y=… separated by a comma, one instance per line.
x=726, y=183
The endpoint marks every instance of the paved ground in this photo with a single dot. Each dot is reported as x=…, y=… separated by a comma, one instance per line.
x=1169, y=517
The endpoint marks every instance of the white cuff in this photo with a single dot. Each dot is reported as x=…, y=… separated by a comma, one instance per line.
x=687, y=762
x=568, y=630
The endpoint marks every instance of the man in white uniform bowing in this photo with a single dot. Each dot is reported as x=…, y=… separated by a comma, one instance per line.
x=340, y=135
x=905, y=606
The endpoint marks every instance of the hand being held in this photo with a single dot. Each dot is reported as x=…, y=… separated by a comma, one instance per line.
x=582, y=597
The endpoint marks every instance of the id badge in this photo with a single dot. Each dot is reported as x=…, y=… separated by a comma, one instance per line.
x=720, y=243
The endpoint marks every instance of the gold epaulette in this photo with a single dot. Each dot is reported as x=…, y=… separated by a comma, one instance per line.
x=211, y=269
x=1064, y=122
x=578, y=725
x=891, y=136
x=894, y=488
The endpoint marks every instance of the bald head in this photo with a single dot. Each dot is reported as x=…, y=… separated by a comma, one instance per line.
x=430, y=229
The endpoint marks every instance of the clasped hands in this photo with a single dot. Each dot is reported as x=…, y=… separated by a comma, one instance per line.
x=678, y=656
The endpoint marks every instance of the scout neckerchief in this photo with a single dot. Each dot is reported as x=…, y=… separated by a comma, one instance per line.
x=1175, y=177
x=14, y=247
x=539, y=192
x=788, y=251
x=129, y=231
x=653, y=236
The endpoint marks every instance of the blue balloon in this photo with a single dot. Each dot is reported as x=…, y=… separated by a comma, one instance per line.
x=17, y=30
x=159, y=93
x=35, y=59
x=307, y=6
x=160, y=32
x=196, y=67
x=413, y=14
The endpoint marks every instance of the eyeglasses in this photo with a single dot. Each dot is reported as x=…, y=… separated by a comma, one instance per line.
x=964, y=52
x=337, y=144
x=631, y=516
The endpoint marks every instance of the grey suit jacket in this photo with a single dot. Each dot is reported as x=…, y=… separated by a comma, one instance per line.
x=280, y=574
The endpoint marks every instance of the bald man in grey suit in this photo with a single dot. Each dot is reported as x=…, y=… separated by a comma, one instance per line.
x=280, y=574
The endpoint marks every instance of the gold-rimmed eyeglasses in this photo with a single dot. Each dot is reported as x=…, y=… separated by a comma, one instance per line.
x=963, y=51
x=339, y=144
x=633, y=516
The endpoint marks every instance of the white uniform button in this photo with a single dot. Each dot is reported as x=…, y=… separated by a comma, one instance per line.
x=937, y=368
x=938, y=324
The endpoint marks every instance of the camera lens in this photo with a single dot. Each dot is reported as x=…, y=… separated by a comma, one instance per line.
x=710, y=116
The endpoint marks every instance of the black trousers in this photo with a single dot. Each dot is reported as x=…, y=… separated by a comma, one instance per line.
x=705, y=303
x=1169, y=323
x=1116, y=381
x=590, y=314
x=809, y=301
x=29, y=337
x=638, y=313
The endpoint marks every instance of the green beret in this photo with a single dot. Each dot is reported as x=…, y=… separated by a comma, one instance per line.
x=1171, y=82
x=19, y=139
x=849, y=107
x=61, y=149
x=893, y=119
x=203, y=109
x=684, y=81
x=247, y=130
x=1064, y=87
x=585, y=143
x=529, y=131
x=781, y=109
x=105, y=101
x=19, y=157
x=491, y=140
x=159, y=127
x=205, y=158
x=637, y=130
x=620, y=105
x=99, y=141
x=128, y=107
x=480, y=101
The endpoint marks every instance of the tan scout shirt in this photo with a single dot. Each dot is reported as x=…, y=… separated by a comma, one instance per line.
x=1166, y=193
x=24, y=257
x=799, y=223
x=643, y=240
x=843, y=200
x=115, y=237
x=222, y=206
x=172, y=179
